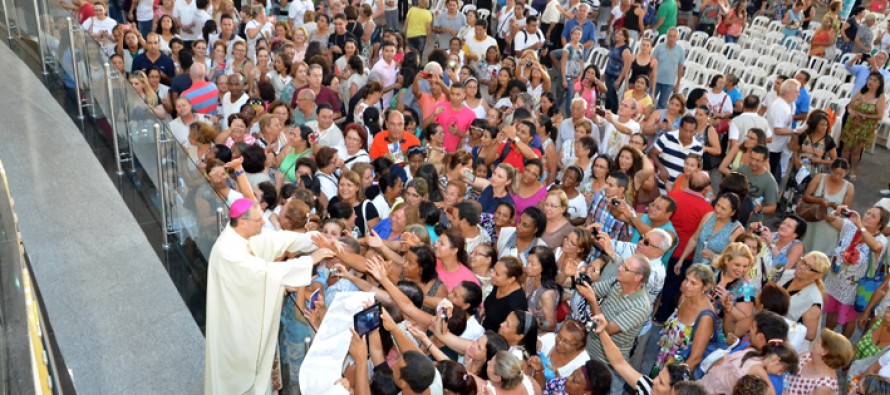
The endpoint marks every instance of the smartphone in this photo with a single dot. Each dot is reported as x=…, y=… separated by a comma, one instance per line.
x=367, y=320
x=865, y=57
x=599, y=111
x=313, y=299
x=425, y=75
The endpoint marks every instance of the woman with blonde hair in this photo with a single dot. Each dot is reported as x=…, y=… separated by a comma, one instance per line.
x=805, y=285
x=139, y=82
x=505, y=374
x=733, y=293
x=816, y=371
x=499, y=189
x=823, y=38
x=201, y=137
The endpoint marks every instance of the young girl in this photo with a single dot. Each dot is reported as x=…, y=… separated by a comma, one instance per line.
x=776, y=358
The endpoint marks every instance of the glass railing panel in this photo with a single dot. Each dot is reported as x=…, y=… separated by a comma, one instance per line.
x=140, y=127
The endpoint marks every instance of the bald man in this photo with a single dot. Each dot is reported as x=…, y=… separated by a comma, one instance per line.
x=202, y=94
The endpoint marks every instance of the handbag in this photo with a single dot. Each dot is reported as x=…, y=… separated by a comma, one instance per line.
x=723, y=126
x=713, y=344
x=869, y=283
x=811, y=212
x=722, y=27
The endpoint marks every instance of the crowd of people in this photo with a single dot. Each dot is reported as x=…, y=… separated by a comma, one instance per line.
x=529, y=222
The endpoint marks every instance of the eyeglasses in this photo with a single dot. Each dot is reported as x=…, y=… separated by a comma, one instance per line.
x=553, y=206
x=646, y=242
x=809, y=267
x=627, y=269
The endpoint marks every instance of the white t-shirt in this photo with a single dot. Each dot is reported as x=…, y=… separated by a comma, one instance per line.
x=745, y=121
x=475, y=47
x=473, y=331
x=186, y=13
x=524, y=40
x=381, y=205
x=577, y=207
x=145, y=10
x=613, y=140
x=548, y=341
x=328, y=184
x=779, y=115
x=229, y=108
x=719, y=102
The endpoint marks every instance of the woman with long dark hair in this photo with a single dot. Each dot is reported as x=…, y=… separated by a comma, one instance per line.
x=541, y=289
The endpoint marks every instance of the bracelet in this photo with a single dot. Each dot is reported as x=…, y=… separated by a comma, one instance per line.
x=429, y=345
x=238, y=173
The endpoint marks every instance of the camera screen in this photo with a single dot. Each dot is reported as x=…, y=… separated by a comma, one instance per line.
x=367, y=320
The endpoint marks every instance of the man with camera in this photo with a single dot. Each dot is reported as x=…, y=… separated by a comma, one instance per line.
x=607, y=204
x=625, y=306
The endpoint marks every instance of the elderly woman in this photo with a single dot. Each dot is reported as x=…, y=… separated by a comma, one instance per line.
x=859, y=244
x=785, y=245
x=560, y=354
x=805, y=286
x=505, y=375
x=556, y=205
x=688, y=331
x=356, y=145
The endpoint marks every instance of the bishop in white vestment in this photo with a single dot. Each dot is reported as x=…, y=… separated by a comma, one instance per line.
x=245, y=289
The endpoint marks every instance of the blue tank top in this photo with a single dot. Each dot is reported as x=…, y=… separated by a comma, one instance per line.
x=615, y=61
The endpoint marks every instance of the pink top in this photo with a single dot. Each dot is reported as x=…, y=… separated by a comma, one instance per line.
x=461, y=119
x=878, y=5
x=722, y=378
x=800, y=385
x=522, y=203
x=453, y=279
x=587, y=94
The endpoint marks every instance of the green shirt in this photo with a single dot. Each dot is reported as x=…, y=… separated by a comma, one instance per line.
x=668, y=11
x=289, y=164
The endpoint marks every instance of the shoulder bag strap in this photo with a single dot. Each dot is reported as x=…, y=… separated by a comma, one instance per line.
x=365, y=216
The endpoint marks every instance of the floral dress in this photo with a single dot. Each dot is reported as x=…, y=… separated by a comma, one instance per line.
x=798, y=385
x=675, y=337
x=859, y=132
x=849, y=264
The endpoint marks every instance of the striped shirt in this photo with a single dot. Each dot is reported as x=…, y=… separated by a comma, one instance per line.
x=203, y=96
x=673, y=153
x=628, y=312
x=599, y=213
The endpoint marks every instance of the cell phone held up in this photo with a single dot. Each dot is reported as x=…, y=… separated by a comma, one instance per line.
x=367, y=320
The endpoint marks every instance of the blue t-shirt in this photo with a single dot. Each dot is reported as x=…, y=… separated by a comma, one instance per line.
x=802, y=105
x=163, y=62
x=588, y=31
x=490, y=203
x=734, y=95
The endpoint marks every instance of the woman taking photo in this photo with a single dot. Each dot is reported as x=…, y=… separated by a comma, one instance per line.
x=589, y=88
x=662, y=121
x=785, y=245
x=571, y=256
x=498, y=190
x=860, y=242
x=487, y=151
x=691, y=327
x=828, y=190
x=507, y=294
x=639, y=172
x=805, y=286
x=541, y=289
x=715, y=231
x=814, y=148
x=734, y=294
x=556, y=205
x=100, y=27
x=739, y=154
x=736, y=20
x=865, y=111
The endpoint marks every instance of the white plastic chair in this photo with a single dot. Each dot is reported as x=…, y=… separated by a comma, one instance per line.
x=731, y=50
x=650, y=34
x=683, y=43
x=774, y=37
x=799, y=58
x=792, y=42
x=716, y=61
x=845, y=90
x=697, y=39
x=846, y=57
x=754, y=75
x=775, y=26
x=776, y=51
x=766, y=63
x=827, y=82
x=819, y=99
x=760, y=21
x=785, y=68
x=661, y=39
x=467, y=8
x=598, y=57
x=684, y=32
x=714, y=44
x=818, y=64
x=806, y=35
x=734, y=66
x=748, y=56
x=483, y=14
x=839, y=71
x=697, y=54
x=757, y=91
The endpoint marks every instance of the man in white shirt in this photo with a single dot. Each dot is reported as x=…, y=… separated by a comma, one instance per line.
x=233, y=99
x=389, y=69
x=618, y=129
x=226, y=33
x=780, y=117
x=747, y=120
x=528, y=38
x=475, y=48
x=329, y=135
x=184, y=12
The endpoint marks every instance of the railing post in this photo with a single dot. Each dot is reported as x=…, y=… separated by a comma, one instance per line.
x=6, y=21
x=111, y=118
x=40, y=40
x=76, y=69
x=220, y=220
x=162, y=184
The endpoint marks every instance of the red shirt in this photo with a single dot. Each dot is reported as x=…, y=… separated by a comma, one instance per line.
x=85, y=12
x=514, y=157
x=380, y=146
x=691, y=208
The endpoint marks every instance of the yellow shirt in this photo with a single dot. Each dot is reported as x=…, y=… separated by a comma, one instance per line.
x=416, y=21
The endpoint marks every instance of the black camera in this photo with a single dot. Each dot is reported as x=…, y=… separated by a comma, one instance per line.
x=846, y=212
x=615, y=202
x=583, y=278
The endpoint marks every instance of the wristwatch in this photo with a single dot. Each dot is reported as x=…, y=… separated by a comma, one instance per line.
x=516, y=139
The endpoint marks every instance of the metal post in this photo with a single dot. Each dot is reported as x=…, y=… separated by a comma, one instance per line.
x=76, y=70
x=220, y=220
x=6, y=21
x=117, y=151
x=40, y=40
x=162, y=184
